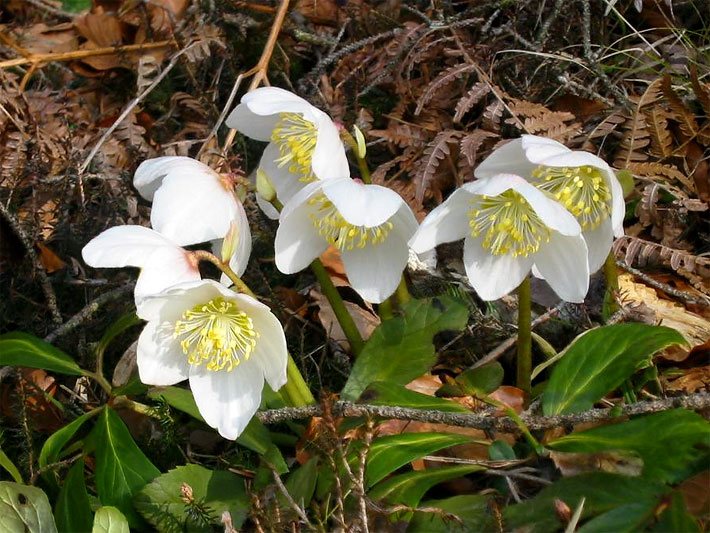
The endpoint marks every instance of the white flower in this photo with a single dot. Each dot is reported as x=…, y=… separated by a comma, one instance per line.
x=580, y=181
x=225, y=343
x=369, y=224
x=162, y=262
x=509, y=227
x=304, y=144
x=191, y=202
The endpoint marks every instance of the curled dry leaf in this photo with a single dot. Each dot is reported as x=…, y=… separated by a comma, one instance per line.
x=365, y=320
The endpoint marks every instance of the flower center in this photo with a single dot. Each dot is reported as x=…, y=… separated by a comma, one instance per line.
x=216, y=333
x=340, y=233
x=508, y=223
x=296, y=139
x=582, y=190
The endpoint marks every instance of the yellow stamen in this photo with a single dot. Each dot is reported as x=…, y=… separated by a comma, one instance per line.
x=582, y=190
x=216, y=333
x=296, y=139
x=520, y=230
x=340, y=233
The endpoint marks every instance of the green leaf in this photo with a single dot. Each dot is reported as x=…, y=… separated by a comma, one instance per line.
x=402, y=348
x=481, y=381
x=75, y=6
x=676, y=517
x=53, y=445
x=121, y=467
x=628, y=518
x=383, y=393
x=73, y=511
x=301, y=483
x=255, y=436
x=22, y=349
x=110, y=520
x=499, y=450
x=599, y=361
x=119, y=326
x=389, y=453
x=602, y=491
x=471, y=509
x=161, y=502
x=8, y=465
x=407, y=489
x=665, y=441
x=24, y=509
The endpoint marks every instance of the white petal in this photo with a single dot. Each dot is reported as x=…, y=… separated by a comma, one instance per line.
x=599, y=241
x=329, y=159
x=250, y=124
x=150, y=173
x=447, y=222
x=360, y=204
x=190, y=211
x=160, y=359
x=121, y=246
x=285, y=183
x=563, y=264
x=169, y=305
x=508, y=159
x=493, y=276
x=618, y=205
x=165, y=268
x=270, y=352
x=228, y=400
x=575, y=159
x=375, y=271
x=297, y=241
x=538, y=149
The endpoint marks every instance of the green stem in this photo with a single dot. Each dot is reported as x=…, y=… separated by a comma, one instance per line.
x=99, y=378
x=402, y=292
x=524, y=337
x=336, y=302
x=242, y=287
x=296, y=392
x=361, y=163
x=400, y=297
x=364, y=170
x=611, y=274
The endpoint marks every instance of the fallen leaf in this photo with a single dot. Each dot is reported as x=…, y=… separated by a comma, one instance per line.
x=513, y=397
x=693, y=380
x=50, y=261
x=366, y=321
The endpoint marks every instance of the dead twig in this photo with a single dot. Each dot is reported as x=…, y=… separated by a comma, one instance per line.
x=648, y=280
x=486, y=421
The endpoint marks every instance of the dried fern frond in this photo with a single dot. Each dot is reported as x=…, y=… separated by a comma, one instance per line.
x=434, y=153
x=472, y=142
x=474, y=95
x=448, y=76
x=680, y=112
x=664, y=172
x=639, y=252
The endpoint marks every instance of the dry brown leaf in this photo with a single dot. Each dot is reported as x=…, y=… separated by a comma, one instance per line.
x=694, y=380
x=696, y=494
x=50, y=261
x=366, y=321
x=574, y=464
x=695, y=328
x=513, y=397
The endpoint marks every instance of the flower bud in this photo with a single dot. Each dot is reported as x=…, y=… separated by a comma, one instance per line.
x=264, y=187
x=230, y=242
x=361, y=147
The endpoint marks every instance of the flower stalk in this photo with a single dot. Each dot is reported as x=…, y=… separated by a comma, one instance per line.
x=524, y=361
x=611, y=275
x=336, y=302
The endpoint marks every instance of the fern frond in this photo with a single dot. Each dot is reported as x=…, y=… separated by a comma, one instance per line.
x=435, y=152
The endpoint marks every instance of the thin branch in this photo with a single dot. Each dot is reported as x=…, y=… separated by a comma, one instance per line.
x=88, y=311
x=47, y=288
x=648, y=280
x=487, y=421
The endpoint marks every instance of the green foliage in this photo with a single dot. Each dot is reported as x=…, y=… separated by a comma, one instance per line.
x=115, y=329
x=408, y=489
x=24, y=509
x=23, y=349
x=401, y=348
x=499, y=450
x=666, y=442
x=301, y=484
x=8, y=465
x=110, y=520
x=75, y=6
x=472, y=511
x=255, y=436
x=72, y=510
x=603, y=492
x=121, y=467
x=383, y=393
x=192, y=498
x=479, y=381
x=53, y=445
x=599, y=361
x=389, y=453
